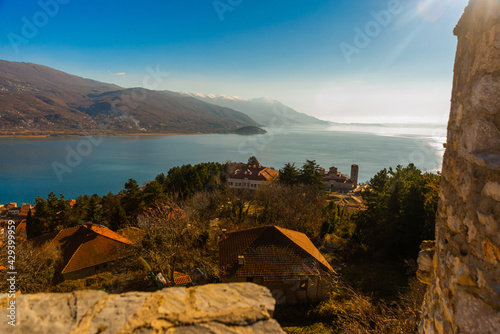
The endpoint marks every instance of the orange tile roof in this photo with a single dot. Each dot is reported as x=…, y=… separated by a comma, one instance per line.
x=254, y=173
x=301, y=240
x=85, y=246
x=271, y=252
x=180, y=278
x=25, y=208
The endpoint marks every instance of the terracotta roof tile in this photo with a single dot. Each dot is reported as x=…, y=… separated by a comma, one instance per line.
x=254, y=173
x=25, y=208
x=180, y=278
x=85, y=246
x=271, y=252
x=306, y=244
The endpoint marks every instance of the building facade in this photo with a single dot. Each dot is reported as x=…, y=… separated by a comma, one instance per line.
x=251, y=177
x=336, y=181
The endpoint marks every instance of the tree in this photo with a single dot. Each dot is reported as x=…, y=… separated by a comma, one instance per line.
x=34, y=228
x=253, y=161
x=183, y=182
x=289, y=175
x=173, y=243
x=310, y=175
x=94, y=211
x=238, y=213
x=297, y=208
x=118, y=219
x=401, y=206
x=132, y=198
x=38, y=222
x=154, y=193
x=36, y=266
x=336, y=220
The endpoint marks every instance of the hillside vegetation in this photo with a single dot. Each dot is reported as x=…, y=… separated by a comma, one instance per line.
x=373, y=250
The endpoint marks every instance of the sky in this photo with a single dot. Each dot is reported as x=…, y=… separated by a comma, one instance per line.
x=361, y=61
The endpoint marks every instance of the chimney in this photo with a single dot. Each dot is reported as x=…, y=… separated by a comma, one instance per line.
x=241, y=260
x=222, y=236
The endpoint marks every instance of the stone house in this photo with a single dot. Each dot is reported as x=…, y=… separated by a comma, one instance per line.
x=283, y=260
x=336, y=181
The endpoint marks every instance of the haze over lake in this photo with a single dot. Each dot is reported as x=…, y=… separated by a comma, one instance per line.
x=27, y=163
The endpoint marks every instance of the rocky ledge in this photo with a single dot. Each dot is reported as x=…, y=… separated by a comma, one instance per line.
x=214, y=308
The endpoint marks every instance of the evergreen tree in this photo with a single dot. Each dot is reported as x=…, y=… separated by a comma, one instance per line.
x=154, y=193
x=253, y=161
x=94, y=211
x=133, y=198
x=118, y=219
x=289, y=175
x=401, y=204
x=310, y=175
x=33, y=226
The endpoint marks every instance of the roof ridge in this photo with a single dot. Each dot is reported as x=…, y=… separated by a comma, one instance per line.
x=127, y=241
x=327, y=264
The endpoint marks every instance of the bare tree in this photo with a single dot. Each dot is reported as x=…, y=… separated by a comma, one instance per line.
x=173, y=242
x=36, y=267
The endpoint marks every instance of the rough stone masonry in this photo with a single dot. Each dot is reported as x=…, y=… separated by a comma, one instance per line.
x=236, y=308
x=464, y=295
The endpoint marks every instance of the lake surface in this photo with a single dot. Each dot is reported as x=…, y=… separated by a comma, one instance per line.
x=88, y=165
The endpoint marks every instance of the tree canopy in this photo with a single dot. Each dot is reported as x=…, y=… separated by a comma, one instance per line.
x=308, y=175
x=253, y=161
x=401, y=209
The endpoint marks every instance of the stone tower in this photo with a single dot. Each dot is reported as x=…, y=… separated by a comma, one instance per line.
x=464, y=294
x=354, y=174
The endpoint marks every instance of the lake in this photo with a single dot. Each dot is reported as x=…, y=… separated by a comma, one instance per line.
x=88, y=165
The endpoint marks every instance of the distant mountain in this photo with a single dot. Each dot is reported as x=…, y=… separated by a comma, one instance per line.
x=261, y=110
x=36, y=98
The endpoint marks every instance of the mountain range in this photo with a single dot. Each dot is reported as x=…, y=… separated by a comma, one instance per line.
x=39, y=99
x=264, y=111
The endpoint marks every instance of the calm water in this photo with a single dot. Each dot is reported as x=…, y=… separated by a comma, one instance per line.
x=27, y=165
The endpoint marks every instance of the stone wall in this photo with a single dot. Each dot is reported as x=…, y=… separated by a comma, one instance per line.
x=211, y=309
x=464, y=295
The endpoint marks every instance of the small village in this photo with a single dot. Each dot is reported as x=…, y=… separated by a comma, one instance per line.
x=249, y=255
x=231, y=223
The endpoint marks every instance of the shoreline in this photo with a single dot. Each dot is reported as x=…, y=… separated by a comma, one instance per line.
x=101, y=134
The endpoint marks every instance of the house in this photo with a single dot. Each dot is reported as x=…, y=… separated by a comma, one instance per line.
x=14, y=211
x=87, y=249
x=25, y=208
x=251, y=177
x=283, y=260
x=10, y=205
x=336, y=181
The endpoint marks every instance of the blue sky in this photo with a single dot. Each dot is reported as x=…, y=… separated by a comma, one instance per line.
x=398, y=69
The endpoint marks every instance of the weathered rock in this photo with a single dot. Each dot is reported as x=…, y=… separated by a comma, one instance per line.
x=464, y=295
x=214, y=308
x=425, y=262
